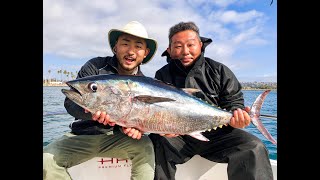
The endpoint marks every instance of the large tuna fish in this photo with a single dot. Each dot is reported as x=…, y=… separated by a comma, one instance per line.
x=153, y=106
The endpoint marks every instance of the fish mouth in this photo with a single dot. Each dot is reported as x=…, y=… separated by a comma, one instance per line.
x=72, y=93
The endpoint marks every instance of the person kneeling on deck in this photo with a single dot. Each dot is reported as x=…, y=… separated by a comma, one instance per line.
x=94, y=135
x=246, y=155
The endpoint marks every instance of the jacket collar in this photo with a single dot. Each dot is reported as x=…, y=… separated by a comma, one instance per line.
x=199, y=61
x=186, y=70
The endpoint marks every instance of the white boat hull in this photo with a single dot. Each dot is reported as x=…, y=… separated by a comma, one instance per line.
x=197, y=168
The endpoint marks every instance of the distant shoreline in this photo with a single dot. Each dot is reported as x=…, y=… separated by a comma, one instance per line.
x=56, y=85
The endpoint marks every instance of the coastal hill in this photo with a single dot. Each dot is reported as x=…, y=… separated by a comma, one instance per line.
x=258, y=85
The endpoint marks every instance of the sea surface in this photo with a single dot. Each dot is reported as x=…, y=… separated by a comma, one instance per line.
x=56, y=121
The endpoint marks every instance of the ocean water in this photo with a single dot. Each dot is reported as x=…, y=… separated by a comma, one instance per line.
x=56, y=122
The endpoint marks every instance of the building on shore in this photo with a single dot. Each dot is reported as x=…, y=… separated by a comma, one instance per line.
x=54, y=83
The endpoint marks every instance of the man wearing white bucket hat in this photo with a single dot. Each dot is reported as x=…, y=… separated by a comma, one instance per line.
x=93, y=135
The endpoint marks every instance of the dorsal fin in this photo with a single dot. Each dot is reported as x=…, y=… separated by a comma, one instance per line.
x=198, y=135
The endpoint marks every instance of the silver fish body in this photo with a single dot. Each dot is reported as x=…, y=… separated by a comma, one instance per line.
x=147, y=104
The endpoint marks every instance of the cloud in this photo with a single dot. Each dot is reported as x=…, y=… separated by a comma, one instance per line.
x=237, y=17
x=77, y=29
x=262, y=78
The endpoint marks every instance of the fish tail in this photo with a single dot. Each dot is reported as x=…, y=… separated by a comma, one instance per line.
x=255, y=116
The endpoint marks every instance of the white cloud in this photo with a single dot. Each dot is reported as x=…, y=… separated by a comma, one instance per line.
x=223, y=3
x=257, y=41
x=77, y=29
x=245, y=35
x=236, y=17
x=262, y=78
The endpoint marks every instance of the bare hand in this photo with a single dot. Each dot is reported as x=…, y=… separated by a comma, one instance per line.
x=132, y=132
x=169, y=135
x=101, y=117
x=241, y=118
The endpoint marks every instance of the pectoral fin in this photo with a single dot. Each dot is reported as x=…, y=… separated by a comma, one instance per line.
x=152, y=99
x=198, y=135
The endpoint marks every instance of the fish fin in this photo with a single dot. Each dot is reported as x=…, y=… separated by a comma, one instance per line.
x=198, y=135
x=152, y=99
x=255, y=116
x=191, y=91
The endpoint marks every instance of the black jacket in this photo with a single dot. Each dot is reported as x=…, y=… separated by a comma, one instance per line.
x=218, y=84
x=83, y=123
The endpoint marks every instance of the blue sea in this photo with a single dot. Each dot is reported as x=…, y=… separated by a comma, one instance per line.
x=56, y=122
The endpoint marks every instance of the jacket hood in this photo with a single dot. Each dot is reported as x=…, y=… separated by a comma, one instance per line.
x=204, y=40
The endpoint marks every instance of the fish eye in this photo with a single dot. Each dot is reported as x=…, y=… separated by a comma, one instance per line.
x=93, y=86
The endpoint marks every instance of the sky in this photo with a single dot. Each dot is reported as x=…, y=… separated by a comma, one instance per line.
x=244, y=33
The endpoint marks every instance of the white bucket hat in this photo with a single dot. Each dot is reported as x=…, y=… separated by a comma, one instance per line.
x=136, y=29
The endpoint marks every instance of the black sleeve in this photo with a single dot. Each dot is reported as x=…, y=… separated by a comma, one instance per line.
x=158, y=76
x=72, y=108
x=231, y=96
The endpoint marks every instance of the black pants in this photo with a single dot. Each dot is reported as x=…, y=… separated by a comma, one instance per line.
x=246, y=155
